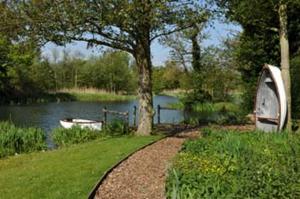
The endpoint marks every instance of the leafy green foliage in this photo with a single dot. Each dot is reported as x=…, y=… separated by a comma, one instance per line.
x=22, y=74
x=65, y=137
x=259, y=42
x=168, y=77
x=217, y=79
x=295, y=76
x=213, y=113
x=111, y=71
x=116, y=127
x=229, y=164
x=26, y=78
x=20, y=140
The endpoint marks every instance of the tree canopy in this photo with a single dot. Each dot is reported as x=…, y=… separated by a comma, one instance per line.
x=259, y=41
x=125, y=25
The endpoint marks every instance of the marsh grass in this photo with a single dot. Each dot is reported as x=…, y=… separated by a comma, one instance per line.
x=179, y=93
x=93, y=94
x=64, y=137
x=15, y=140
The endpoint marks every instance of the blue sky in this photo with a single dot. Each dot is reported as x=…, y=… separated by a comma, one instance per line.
x=159, y=53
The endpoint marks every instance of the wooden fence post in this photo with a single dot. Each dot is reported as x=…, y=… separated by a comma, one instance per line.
x=134, y=116
x=127, y=117
x=105, y=115
x=158, y=114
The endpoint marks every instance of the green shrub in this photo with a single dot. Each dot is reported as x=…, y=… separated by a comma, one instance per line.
x=75, y=135
x=116, y=128
x=218, y=113
x=197, y=96
x=231, y=118
x=227, y=164
x=20, y=140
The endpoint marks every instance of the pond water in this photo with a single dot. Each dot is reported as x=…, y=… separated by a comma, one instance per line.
x=47, y=116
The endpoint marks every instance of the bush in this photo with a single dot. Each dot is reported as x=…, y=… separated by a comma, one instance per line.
x=20, y=140
x=75, y=135
x=218, y=113
x=227, y=164
x=231, y=118
x=116, y=128
x=196, y=97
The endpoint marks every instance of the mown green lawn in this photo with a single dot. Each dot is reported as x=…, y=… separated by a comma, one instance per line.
x=64, y=173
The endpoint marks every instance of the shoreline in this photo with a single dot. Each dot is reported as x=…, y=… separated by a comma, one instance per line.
x=68, y=97
x=81, y=95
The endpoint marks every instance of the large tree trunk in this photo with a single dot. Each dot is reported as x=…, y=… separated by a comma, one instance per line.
x=143, y=59
x=196, y=62
x=285, y=58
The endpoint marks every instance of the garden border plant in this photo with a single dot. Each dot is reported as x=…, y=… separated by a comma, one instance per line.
x=230, y=164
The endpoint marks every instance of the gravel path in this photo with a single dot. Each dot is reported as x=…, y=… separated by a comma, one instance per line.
x=143, y=174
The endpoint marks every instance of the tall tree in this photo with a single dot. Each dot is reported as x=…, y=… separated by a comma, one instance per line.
x=271, y=17
x=125, y=25
x=185, y=45
x=285, y=56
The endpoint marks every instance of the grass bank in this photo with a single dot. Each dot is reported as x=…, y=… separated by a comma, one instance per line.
x=79, y=94
x=90, y=94
x=64, y=173
x=230, y=164
x=179, y=93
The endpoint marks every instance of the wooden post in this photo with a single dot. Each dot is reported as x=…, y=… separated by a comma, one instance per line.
x=158, y=114
x=127, y=121
x=105, y=115
x=134, y=116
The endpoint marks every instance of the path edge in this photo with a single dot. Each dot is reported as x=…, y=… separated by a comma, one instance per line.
x=104, y=176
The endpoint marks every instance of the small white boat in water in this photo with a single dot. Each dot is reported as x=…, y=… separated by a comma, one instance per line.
x=91, y=124
x=271, y=102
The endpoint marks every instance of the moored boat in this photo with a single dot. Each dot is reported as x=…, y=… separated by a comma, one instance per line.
x=271, y=102
x=83, y=123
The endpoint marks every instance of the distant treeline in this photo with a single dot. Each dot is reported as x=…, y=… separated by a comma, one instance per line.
x=26, y=75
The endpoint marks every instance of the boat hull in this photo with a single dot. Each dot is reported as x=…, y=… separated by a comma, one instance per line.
x=271, y=102
x=91, y=124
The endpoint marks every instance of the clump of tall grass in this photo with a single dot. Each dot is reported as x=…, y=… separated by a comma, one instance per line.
x=93, y=94
x=82, y=90
x=75, y=135
x=20, y=140
x=180, y=93
x=116, y=127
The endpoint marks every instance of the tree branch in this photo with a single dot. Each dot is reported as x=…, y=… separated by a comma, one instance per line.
x=107, y=35
x=170, y=32
x=108, y=44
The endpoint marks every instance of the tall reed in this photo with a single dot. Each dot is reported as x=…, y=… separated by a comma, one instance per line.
x=20, y=140
x=65, y=137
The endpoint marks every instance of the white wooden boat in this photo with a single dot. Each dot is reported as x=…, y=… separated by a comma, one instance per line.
x=271, y=102
x=91, y=124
